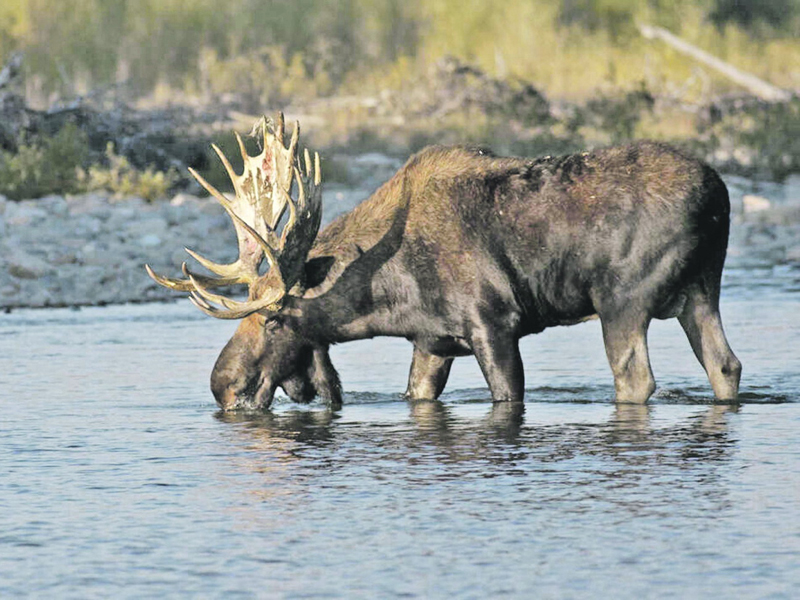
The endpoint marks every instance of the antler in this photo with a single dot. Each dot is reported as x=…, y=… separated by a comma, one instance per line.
x=262, y=195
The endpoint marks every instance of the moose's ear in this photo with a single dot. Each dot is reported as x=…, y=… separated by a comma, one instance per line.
x=317, y=270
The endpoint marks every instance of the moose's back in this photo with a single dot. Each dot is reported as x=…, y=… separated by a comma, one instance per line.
x=563, y=236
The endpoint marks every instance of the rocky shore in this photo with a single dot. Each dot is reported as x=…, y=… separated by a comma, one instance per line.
x=91, y=249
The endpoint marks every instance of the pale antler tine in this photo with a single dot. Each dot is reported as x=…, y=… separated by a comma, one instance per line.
x=242, y=149
x=210, y=188
x=198, y=301
x=307, y=156
x=301, y=195
x=173, y=284
x=232, y=271
x=208, y=264
x=280, y=127
x=217, y=313
x=293, y=142
x=237, y=310
x=237, y=219
x=211, y=297
x=211, y=281
x=317, y=169
x=226, y=163
x=292, y=220
x=208, y=309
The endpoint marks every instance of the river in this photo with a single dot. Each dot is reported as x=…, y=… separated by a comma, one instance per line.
x=120, y=479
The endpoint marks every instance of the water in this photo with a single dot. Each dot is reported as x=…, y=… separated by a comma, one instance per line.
x=120, y=479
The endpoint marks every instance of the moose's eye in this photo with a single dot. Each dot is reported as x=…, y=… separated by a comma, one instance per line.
x=271, y=325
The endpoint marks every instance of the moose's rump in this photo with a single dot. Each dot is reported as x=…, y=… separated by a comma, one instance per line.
x=564, y=238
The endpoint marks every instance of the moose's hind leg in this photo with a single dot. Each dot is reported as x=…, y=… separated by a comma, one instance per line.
x=428, y=376
x=702, y=323
x=498, y=356
x=625, y=338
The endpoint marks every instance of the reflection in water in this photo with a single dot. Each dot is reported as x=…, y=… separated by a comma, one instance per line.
x=506, y=419
x=275, y=445
x=610, y=464
x=632, y=423
x=633, y=438
x=442, y=425
x=298, y=426
x=629, y=446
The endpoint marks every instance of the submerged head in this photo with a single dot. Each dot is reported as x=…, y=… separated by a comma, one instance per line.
x=266, y=354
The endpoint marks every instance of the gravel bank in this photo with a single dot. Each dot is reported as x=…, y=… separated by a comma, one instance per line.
x=91, y=249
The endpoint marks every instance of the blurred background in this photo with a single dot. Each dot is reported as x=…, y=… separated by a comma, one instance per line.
x=129, y=92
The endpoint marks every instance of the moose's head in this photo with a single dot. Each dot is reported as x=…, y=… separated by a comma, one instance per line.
x=267, y=351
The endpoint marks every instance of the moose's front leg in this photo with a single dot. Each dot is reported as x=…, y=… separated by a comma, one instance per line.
x=498, y=355
x=428, y=375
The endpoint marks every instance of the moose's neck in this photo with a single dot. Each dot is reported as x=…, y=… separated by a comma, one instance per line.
x=359, y=305
x=363, y=296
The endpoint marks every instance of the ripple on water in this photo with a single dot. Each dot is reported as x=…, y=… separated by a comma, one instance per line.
x=113, y=455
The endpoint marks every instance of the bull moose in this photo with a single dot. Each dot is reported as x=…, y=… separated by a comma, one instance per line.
x=463, y=252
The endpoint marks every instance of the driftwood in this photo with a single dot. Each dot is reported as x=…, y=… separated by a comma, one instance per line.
x=754, y=85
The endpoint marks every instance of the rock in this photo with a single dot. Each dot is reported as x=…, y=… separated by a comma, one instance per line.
x=753, y=203
x=150, y=240
x=94, y=203
x=791, y=186
x=454, y=86
x=183, y=199
x=88, y=226
x=27, y=266
x=23, y=213
x=793, y=254
x=103, y=254
x=120, y=218
x=145, y=226
x=178, y=215
x=63, y=257
x=54, y=205
x=9, y=291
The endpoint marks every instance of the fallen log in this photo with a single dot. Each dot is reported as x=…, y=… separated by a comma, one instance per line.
x=754, y=85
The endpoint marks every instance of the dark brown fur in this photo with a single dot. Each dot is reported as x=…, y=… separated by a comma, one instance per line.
x=463, y=252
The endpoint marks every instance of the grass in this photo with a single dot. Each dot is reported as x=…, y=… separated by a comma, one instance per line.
x=312, y=48
x=585, y=55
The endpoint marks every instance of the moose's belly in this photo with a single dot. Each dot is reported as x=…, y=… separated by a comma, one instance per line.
x=444, y=346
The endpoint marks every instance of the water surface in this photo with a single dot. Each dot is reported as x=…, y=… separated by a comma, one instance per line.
x=120, y=479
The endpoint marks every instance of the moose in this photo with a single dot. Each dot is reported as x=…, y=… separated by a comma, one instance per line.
x=463, y=252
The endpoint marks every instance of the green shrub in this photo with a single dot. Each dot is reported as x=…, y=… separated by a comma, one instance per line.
x=122, y=179
x=62, y=164
x=44, y=165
